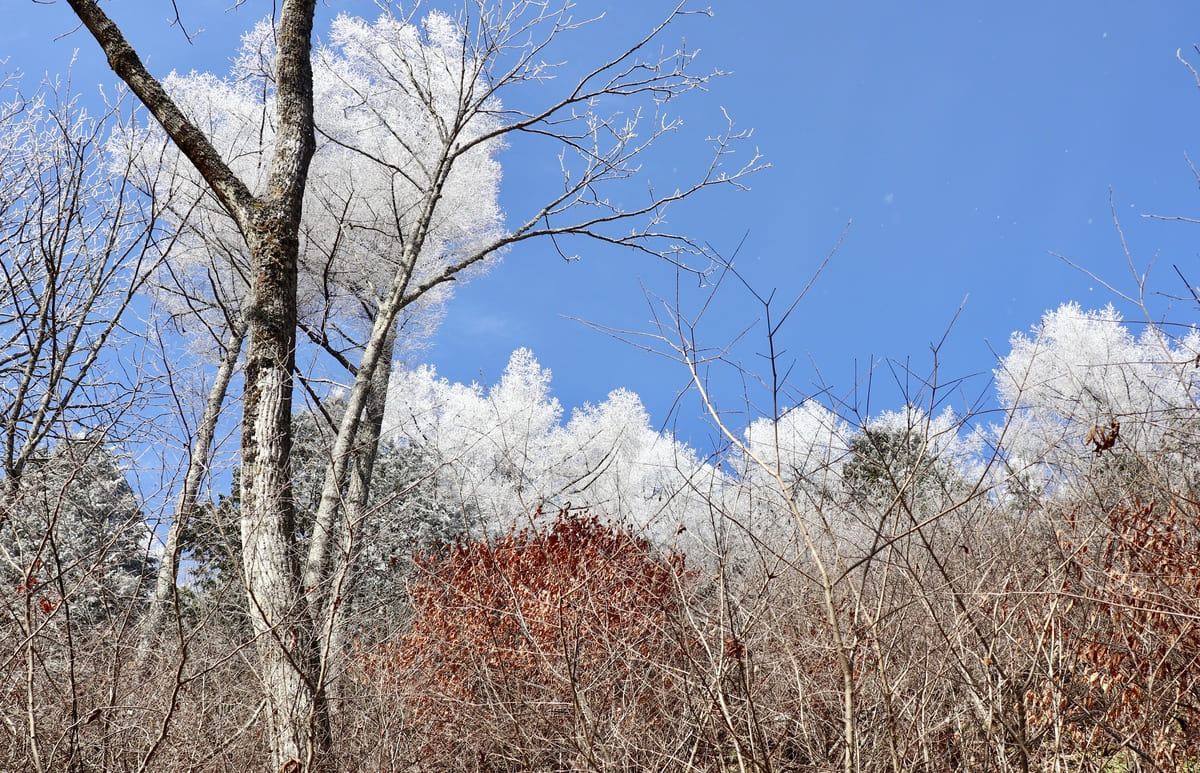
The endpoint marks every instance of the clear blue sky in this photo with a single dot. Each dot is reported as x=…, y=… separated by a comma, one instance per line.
x=967, y=141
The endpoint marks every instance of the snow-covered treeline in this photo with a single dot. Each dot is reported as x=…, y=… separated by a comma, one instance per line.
x=504, y=450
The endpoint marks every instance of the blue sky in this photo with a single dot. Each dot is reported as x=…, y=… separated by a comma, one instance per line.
x=967, y=142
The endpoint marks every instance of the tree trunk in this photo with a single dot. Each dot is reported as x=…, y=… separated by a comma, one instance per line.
x=168, y=570
x=379, y=346
x=270, y=223
x=287, y=647
x=355, y=511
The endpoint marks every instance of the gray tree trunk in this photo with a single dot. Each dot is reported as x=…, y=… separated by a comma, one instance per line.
x=379, y=346
x=286, y=643
x=287, y=649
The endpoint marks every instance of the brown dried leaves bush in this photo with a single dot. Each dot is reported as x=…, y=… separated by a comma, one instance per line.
x=550, y=648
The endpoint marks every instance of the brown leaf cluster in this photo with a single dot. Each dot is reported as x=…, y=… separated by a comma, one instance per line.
x=1129, y=637
x=524, y=649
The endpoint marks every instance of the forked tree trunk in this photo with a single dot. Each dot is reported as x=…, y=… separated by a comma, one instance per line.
x=349, y=534
x=270, y=223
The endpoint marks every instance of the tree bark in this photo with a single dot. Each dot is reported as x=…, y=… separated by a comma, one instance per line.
x=287, y=645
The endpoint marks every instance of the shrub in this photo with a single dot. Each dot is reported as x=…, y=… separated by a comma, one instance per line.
x=1127, y=680
x=550, y=648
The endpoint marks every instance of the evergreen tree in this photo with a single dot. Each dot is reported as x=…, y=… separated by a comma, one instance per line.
x=77, y=535
x=405, y=515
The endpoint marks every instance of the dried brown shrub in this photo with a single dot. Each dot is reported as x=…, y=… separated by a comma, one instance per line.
x=549, y=648
x=1126, y=624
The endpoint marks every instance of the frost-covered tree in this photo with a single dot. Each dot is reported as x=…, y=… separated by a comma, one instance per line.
x=899, y=457
x=807, y=446
x=910, y=479
x=76, y=538
x=612, y=459
x=505, y=452
x=1081, y=388
x=380, y=92
x=492, y=442
x=845, y=478
x=76, y=245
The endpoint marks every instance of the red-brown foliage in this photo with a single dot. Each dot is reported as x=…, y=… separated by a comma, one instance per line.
x=542, y=649
x=1129, y=631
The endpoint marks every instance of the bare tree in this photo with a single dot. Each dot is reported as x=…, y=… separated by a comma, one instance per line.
x=269, y=223
x=77, y=244
x=75, y=248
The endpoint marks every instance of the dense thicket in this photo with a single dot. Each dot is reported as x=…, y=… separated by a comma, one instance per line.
x=989, y=623
x=378, y=580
